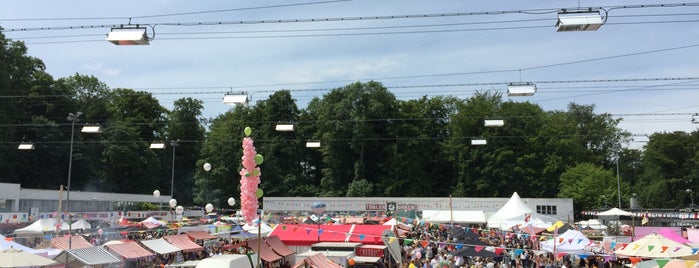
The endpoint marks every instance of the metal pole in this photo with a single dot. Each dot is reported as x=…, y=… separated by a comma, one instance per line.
x=172, y=177
x=618, y=182
x=73, y=118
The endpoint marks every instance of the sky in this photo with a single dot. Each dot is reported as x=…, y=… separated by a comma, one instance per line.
x=642, y=65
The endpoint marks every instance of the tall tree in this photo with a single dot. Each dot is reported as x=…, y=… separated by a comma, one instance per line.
x=185, y=126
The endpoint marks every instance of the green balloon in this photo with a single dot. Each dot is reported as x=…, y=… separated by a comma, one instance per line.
x=259, y=193
x=247, y=174
x=255, y=172
x=248, y=131
x=259, y=159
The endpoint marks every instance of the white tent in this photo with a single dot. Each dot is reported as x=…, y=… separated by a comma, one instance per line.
x=265, y=229
x=457, y=216
x=81, y=225
x=42, y=225
x=592, y=224
x=615, y=212
x=151, y=223
x=515, y=212
x=572, y=241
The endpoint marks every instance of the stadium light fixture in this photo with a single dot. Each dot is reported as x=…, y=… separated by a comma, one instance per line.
x=579, y=20
x=521, y=89
x=91, y=129
x=157, y=145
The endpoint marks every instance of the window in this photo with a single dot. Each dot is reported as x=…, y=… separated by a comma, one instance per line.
x=546, y=210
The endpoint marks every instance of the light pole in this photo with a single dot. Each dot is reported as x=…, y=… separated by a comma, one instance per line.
x=691, y=196
x=172, y=178
x=73, y=118
x=618, y=182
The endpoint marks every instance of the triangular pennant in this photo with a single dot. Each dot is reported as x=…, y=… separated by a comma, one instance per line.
x=608, y=258
x=560, y=239
x=308, y=230
x=623, y=246
x=499, y=251
x=560, y=255
x=478, y=248
x=650, y=248
x=407, y=242
x=361, y=237
x=580, y=240
x=570, y=241
x=664, y=249
x=636, y=246
x=677, y=249
x=612, y=245
x=661, y=263
x=424, y=243
x=694, y=250
x=634, y=260
x=582, y=256
x=320, y=231
x=459, y=246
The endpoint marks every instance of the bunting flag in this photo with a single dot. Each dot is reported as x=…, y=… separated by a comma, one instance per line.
x=308, y=231
x=570, y=241
x=320, y=231
x=608, y=258
x=478, y=248
x=664, y=248
x=612, y=245
x=361, y=237
x=634, y=260
x=650, y=248
x=459, y=246
x=661, y=262
x=583, y=256
x=527, y=217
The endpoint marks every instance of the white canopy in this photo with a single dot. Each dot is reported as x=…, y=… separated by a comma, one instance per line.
x=572, y=241
x=592, y=224
x=81, y=225
x=615, y=212
x=42, y=225
x=515, y=212
x=453, y=216
x=264, y=229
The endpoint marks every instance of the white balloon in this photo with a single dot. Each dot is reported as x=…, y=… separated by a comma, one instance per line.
x=231, y=201
x=173, y=203
x=179, y=210
x=209, y=207
x=207, y=166
x=156, y=193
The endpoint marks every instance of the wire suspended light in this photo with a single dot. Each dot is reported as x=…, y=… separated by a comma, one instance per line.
x=284, y=127
x=26, y=146
x=129, y=35
x=579, y=20
x=521, y=89
x=313, y=144
x=91, y=129
x=157, y=145
x=494, y=123
x=233, y=98
x=478, y=142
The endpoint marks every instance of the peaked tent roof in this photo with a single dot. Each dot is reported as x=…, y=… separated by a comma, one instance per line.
x=514, y=212
x=43, y=225
x=571, y=241
x=615, y=212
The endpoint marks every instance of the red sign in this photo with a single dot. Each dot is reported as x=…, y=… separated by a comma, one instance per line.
x=365, y=251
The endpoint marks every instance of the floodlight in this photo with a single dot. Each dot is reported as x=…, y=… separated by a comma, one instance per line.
x=284, y=127
x=235, y=98
x=128, y=35
x=26, y=146
x=521, y=89
x=313, y=144
x=91, y=129
x=479, y=142
x=494, y=123
x=572, y=21
x=157, y=145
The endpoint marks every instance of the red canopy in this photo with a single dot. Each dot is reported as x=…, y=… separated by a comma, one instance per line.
x=130, y=250
x=278, y=246
x=368, y=234
x=265, y=252
x=182, y=241
x=77, y=241
x=200, y=235
x=319, y=260
x=307, y=234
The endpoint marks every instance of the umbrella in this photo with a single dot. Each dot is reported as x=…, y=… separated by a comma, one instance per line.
x=17, y=258
x=615, y=212
x=655, y=246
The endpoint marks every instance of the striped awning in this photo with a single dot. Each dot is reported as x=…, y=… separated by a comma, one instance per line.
x=160, y=246
x=182, y=241
x=87, y=256
x=76, y=241
x=130, y=250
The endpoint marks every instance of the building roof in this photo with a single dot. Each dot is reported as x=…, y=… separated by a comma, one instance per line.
x=200, y=235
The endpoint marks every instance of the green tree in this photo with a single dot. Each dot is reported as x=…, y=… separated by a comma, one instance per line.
x=185, y=126
x=588, y=184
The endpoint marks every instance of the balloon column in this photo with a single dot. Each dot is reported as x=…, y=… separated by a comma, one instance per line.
x=249, y=179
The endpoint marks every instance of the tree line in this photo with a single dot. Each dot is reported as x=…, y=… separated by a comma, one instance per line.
x=372, y=144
